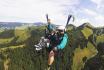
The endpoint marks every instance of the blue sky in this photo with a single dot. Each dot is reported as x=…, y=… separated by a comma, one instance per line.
x=34, y=11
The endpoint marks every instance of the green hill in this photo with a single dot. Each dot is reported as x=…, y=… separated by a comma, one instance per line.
x=85, y=46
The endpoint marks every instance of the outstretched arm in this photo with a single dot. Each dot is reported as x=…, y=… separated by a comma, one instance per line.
x=63, y=42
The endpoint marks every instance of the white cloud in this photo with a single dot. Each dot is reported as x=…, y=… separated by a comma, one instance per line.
x=99, y=3
x=84, y=20
x=99, y=20
x=99, y=17
x=89, y=12
x=79, y=22
x=91, y=16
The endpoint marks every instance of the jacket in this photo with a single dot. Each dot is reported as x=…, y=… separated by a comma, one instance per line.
x=59, y=42
x=63, y=42
x=51, y=27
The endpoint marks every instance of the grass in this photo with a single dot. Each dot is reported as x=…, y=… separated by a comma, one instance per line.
x=79, y=54
x=6, y=41
x=6, y=60
x=100, y=39
x=87, y=32
x=21, y=59
x=1, y=30
x=11, y=47
x=22, y=35
x=22, y=56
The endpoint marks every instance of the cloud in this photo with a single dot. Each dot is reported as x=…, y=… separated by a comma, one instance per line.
x=99, y=3
x=89, y=12
x=34, y=10
x=100, y=20
x=94, y=17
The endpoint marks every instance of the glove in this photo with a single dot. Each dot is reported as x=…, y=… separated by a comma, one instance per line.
x=55, y=49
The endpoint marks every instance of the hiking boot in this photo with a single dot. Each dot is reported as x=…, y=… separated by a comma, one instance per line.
x=37, y=47
x=48, y=68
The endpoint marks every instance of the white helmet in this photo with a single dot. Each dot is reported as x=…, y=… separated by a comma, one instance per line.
x=61, y=28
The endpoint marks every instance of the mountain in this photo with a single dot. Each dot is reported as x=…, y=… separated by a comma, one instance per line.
x=9, y=24
x=39, y=24
x=71, y=26
x=84, y=50
x=86, y=25
x=12, y=25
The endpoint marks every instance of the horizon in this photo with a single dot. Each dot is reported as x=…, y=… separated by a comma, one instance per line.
x=31, y=11
x=55, y=24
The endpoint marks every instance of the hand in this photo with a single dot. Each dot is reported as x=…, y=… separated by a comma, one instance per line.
x=51, y=53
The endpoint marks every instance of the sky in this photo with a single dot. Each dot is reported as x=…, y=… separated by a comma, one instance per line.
x=30, y=11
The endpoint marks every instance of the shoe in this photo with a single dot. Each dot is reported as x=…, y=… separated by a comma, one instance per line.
x=38, y=49
x=48, y=68
x=36, y=46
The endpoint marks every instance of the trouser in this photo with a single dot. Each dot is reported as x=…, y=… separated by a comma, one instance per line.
x=58, y=59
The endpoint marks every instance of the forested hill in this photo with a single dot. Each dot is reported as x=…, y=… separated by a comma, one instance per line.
x=84, y=51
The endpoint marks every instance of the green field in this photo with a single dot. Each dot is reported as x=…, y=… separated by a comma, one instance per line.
x=79, y=55
x=17, y=50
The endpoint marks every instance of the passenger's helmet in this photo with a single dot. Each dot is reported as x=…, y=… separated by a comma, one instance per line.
x=61, y=28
